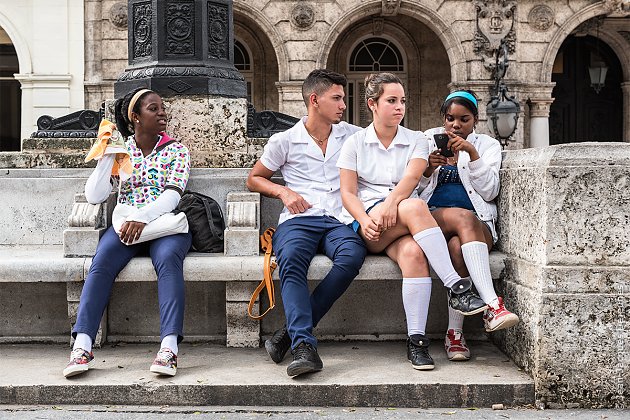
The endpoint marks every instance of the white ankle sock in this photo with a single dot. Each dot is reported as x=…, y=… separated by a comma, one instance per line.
x=82, y=341
x=455, y=319
x=416, y=294
x=434, y=247
x=170, y=342
x=478, y=264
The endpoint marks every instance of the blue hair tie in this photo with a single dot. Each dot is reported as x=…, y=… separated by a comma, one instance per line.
x=462, y=94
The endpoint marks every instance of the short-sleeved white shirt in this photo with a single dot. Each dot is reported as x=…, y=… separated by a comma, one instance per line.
x=305, y=169
x=379, y=169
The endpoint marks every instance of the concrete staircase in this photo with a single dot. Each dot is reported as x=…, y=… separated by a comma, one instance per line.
x=355, y=374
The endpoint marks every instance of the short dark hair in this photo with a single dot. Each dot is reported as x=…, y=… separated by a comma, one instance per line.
x=319, y=81
x=460, y=101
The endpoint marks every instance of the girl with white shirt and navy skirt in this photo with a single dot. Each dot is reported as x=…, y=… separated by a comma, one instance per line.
x=460, y=191
x=380, y=167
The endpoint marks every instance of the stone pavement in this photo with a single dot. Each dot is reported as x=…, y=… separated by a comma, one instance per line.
x=356, y=374
x=328, y=413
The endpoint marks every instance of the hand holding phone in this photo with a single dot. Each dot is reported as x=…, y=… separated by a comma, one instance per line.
x=441, y=140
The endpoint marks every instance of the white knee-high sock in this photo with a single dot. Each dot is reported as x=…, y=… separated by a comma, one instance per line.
x=82, y=341
x=455, y=319
x=478, y=263
x=434, y=247
x=416, y=294
x=170, y=342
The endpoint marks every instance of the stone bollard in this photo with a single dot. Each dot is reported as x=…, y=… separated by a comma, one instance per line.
x=241, y=239
x=86, y=224
x=564, y=220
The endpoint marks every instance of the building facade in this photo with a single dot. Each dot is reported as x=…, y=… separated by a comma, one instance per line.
x=435, y=46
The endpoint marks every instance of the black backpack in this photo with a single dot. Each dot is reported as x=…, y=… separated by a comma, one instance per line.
x=205, y=221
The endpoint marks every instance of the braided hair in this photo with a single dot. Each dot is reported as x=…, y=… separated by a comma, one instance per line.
x=121, y=106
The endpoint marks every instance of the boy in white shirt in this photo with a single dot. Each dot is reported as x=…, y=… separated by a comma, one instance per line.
x=306, y=155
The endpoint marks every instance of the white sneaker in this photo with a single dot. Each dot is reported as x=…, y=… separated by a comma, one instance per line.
x=497, y=317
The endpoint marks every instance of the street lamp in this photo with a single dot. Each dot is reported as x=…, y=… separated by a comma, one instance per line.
x=502, y=110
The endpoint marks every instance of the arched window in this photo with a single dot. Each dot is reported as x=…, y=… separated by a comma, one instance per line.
x=370, y=55
x=11, y=102
x=376, y=54
x=243, y=63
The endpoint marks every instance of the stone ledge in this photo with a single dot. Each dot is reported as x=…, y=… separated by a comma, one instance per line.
x=355, y=374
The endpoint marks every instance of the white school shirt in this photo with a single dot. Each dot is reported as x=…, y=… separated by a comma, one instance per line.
x=480, y=178
x=378, y=169
x=305, y=169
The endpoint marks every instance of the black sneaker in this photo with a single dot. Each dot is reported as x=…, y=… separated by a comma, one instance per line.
x=462, y=299
x=305, y=360
x=278, y=345
x=418, y=352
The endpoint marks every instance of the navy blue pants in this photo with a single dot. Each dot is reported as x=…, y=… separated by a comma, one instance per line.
x=167, y=254
x=295, y=243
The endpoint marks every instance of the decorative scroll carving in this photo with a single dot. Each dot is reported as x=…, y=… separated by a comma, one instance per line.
x=142, y=16
x=625, y=35
x=180, y=36
x=617, y=8
x=390, y=7
x=218, y=34
x=377, y=26
x=267, y=123
x=589, y=26
x=85, y=214
x=303, y=16
x=118, y=15
x=495, y=22
x=80, y=124
x=541, y=17
x=221, y=73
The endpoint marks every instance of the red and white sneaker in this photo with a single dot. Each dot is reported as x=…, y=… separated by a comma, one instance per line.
x=497, y=317
x=80, y=361
x=165, y=363
x=455, y=346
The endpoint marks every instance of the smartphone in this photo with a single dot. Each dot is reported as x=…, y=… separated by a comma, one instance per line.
x=441, y=140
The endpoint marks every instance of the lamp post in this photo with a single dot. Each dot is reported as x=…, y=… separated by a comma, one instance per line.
x=502, y=110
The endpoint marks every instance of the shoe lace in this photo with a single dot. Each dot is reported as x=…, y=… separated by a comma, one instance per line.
x=455, y=338
x=418, y=350
x=77, y=353
x=280, y=336
x=165, y=355
x=302, y=351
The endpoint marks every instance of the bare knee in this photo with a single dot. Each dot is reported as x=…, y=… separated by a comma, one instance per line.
x=413, y=206
x=411, y=254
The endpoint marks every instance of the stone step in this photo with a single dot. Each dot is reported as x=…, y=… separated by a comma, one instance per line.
x=355, y=374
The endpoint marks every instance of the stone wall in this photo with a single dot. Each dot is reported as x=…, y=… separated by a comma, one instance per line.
x=563, y=223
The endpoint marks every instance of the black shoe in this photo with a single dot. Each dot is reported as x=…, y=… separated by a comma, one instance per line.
x=418, y=352
x=462, y=299
x=278, y=345
x=305, y=360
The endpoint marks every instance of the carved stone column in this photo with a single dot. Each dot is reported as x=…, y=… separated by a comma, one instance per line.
x=181, y=47
x=625, y=89
x=539, y=121
x=291, y=101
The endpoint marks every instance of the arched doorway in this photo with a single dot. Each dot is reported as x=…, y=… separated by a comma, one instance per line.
x=243, y=63
x=255, y=58
x=402, y=45
x=10, y=94
x=370, y=55
x=578, y=112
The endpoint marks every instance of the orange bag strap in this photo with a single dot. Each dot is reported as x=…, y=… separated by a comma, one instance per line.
x=267, y=282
